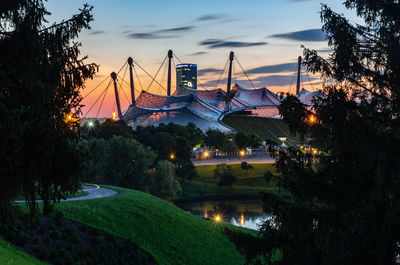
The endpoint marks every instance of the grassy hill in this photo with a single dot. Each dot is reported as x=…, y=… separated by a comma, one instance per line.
x=265, y=128
x=10, y=255
x=170, y=234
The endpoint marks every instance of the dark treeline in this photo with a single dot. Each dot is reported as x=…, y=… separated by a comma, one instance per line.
x=345, y=205
x=41, y=75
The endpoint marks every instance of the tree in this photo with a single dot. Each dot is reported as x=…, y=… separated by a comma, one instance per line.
x=245, y=166
x=214, y=139
x=345, y=203
x=225, y=175
x=41, y=77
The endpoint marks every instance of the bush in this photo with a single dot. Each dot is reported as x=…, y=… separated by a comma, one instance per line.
x=268, y=176
x=55, y=235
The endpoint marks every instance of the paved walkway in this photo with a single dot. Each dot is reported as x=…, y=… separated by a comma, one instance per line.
x=234, y=160
x=94, y=192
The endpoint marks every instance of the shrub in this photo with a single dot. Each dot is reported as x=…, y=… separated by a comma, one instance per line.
x=55, y=235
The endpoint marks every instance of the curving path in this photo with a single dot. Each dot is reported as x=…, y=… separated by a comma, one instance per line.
x=94, y=192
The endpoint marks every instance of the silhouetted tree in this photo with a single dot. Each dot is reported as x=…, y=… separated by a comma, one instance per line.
x=41, y=75
x=345, y=205
x=245, y=166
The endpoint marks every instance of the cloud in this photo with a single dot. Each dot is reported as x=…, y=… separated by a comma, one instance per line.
x=210, y=17
x=208, y=71
x=159, y=34
x=215, y=43
x=303, y=35
x=149, y=36
x=96, y=32
x=276, y=68
x=179, y=29
x=281, y=80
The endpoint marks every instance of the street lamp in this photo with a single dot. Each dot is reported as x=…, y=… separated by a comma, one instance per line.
x=242, y=152
x=312, y=119
x=172, y=156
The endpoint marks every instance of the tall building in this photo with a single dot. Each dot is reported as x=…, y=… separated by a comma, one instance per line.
x=186, y=75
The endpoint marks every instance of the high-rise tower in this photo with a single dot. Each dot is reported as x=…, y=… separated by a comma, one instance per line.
x=186, y=75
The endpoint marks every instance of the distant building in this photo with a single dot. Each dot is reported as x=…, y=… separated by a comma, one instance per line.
x=186, y=76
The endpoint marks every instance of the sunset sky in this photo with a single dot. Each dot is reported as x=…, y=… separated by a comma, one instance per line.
x=266, y=36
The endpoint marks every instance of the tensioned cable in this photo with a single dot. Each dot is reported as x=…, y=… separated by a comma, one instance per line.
x=140, y=83
x=98, y=99
x=154, y=79
x=309, y=80
x=244, y=72
x=197, y=77
x=129, y=85
x=101, y=104
x=96, y=87
x=123, y=91
x=148, y=75
x=223, y=71
x=163, y=78
x=292, y=80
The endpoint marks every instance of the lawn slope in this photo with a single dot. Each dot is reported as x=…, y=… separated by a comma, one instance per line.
x=170, y=234
x=10, y=255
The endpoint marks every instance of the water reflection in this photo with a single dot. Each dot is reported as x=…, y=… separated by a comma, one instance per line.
x=240, y=213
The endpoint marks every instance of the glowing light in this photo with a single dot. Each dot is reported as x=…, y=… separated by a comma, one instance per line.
x=205, y=154
x=242, y=152
x=242, y=220
x=90, y=124
x=217, y=218
x=315, y=151
x=69, y=117
x=172, y=156
x=114, y=115
x=312, y=119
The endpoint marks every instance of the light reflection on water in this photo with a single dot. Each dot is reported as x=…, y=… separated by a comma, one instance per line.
x=247, y=214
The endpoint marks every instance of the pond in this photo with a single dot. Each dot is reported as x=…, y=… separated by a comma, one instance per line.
x=247, y=214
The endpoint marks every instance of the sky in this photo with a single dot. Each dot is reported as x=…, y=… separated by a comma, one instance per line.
x=265, y=35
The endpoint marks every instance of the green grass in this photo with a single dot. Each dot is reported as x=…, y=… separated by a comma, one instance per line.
x=10, y=255
x=254, y=180
x=265, y=128
x=245, y=187
x=170, y=234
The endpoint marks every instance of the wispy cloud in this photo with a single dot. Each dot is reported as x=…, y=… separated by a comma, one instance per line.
x=215, y=43
x=209, y=17
x=276, y=68
x=303, y=35
x=179, y=29
x=158, y=34
x=208, y=71
x=149, y=36
x=96, y=32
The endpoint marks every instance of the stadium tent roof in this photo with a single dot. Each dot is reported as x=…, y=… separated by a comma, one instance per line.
x=306, y=97
x=206, y=108
x=154, y=109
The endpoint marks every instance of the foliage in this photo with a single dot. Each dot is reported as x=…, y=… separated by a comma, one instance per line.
x=246, y=166
x=41, y=77
x=225, y=175
x=247, y=140
x=186, y=170
x=125, y=162
x=106, y=129
x=214, y=139
x=346, y=202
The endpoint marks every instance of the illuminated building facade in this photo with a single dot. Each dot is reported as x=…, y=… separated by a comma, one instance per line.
x=186, y=76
